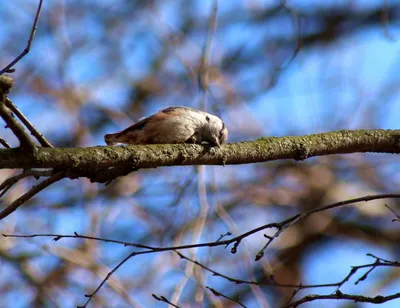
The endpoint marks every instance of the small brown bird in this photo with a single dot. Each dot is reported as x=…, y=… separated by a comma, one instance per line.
x=173, y=125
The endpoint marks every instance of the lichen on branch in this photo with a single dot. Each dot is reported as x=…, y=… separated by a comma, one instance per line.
x=89, y=160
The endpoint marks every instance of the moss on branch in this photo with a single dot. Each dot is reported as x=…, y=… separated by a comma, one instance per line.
x=119, y=160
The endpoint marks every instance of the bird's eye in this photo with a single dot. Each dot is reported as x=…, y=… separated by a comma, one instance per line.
x=208, y=118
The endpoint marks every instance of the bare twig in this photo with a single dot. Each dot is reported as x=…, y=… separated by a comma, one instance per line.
x=297, y=290
x=203, y=69
x=394, y=212
x=57, y=237
x=216, y=293
x=131, y=255
x=180, y=192
x=197, y=231
x=7, y=184
x=32, y=192
x=42, y=140
x=90, y=296
x=393, y=263
x=236, y=241
x=342, y=296
x=252, y=282
x=224, y=235
x=297, y=25
x=25, y=141
x=4, y=143
x=378, y=263
x=7, y=69
x=164, y=299
x=289, y=222
x=18, y=130
x=385, y=20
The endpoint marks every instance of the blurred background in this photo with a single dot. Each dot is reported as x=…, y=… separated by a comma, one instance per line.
x=274, y=69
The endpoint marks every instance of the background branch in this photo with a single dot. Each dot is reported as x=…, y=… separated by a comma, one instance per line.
x=282, y=80
x=7, y=69
x=342, y=296
x=32, y=192
x=7, y=184
x=283, y=225
x=217, y=293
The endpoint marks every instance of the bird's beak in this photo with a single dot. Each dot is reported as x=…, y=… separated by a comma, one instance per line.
x=216, y=142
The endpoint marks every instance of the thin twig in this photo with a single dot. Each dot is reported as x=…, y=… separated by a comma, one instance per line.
x=342, y=296
x=42, y=140
x=292, y=220
x=372, y=266
x=8, y=183
x=203, y=69
x=164, y=299
x=297, y=25
x=182, y=190
x=385, y=20
x=235, y=240
x=283, y=224
x=7, y=69
x=4, y=143
x=251, y=282
x=131, y=255
x=32, y=192
x=18, y=130
x=216, y=293
x=90, y=296
x=378, y=263
x=57, y=237
x=224, y=235
x=293, y=295
x=197, y=232
x=394, y=212
x=383, y=260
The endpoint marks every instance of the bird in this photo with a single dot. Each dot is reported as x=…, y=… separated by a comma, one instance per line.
x=175, y=124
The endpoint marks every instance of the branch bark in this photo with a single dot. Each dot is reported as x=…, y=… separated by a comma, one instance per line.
x=102, y=163
x=25, y=141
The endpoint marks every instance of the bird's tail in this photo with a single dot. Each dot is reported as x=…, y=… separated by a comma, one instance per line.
x=111, y=139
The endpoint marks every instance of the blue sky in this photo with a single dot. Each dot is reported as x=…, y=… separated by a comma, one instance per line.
x=351, y=84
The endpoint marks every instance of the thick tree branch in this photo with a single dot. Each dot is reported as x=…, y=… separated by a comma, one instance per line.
x=119, y=160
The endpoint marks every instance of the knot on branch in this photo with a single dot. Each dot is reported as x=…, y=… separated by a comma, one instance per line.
x=6, y=83
x=302, y=151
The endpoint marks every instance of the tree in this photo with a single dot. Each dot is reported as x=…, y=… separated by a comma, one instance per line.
x=272, y=221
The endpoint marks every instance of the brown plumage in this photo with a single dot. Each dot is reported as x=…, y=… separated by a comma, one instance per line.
x=173, y=125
